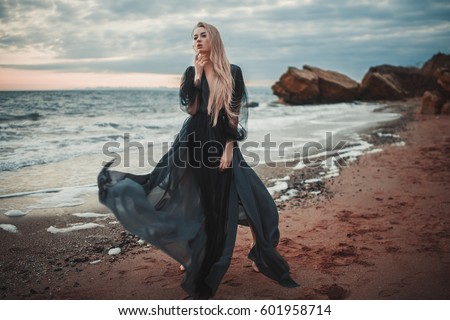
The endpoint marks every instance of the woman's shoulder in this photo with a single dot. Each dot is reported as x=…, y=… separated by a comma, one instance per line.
x=235, y=67
x=189, y=72
x=236, y=72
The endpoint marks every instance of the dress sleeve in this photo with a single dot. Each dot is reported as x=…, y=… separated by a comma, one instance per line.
x=188, y=91
x=237, y=126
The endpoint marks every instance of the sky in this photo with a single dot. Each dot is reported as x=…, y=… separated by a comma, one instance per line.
x=67, y=44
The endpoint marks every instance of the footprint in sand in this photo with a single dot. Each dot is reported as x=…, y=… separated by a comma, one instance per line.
x=264, y=294
x=344, y=256
x=232, y=283
x=143, y=267
x=387, y=293
x=333, y=292
x=291, y=249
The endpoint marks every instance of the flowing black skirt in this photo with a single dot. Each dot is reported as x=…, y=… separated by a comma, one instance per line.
x=191, y=210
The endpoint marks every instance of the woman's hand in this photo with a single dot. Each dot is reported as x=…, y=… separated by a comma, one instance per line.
x=200, y=61
x=227, y=156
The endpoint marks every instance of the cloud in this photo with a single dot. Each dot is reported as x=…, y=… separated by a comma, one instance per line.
x=264, y=37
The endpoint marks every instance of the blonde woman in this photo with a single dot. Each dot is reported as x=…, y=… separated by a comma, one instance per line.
x=192, y=202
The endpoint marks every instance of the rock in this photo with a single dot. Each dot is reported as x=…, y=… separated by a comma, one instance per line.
x=376, y=86
x=437, y=77
x=386, y=82
x=442, y=76
x=429, y=68
x=253, y=104
x=297, y=87
x=114, y=251
x=446, y=108
x=410, y=79
x=334, y=86
x=383, y=82
x=432, y=102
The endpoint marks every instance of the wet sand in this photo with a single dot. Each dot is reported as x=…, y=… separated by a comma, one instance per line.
x=380, y=230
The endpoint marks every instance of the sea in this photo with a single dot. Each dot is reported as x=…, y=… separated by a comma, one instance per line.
x=61, y=138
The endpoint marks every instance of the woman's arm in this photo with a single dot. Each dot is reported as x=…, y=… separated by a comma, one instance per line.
x=189, y=92
x=233, y=122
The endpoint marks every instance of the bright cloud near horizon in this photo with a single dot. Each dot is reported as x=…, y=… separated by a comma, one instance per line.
x=68, y=44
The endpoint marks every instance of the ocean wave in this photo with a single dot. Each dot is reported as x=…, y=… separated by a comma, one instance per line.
x=34, y=116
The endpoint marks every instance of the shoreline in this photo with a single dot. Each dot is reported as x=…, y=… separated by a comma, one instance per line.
x=350, y=241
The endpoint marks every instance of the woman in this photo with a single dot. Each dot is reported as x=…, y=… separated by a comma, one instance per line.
x=191, y=203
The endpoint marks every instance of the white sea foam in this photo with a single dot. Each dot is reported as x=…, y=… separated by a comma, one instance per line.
x=74, y=227
x=66, y=197
x=399, y=144
x=374, y=151
x=9, y=227
x=381, y=134
x=15, y=213
x=314, y=180
x=280, y=185
x=92, y=215
x=286, y=178
x=288, y=195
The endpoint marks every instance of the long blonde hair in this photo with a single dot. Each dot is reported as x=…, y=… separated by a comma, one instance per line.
x=221, y=92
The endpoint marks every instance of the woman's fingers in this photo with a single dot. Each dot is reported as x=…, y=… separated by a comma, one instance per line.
x=224, y=165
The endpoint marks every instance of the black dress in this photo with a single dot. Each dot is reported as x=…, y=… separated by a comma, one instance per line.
x=189, y=209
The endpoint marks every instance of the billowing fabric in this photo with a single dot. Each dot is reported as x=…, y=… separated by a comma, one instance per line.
x=189, y=209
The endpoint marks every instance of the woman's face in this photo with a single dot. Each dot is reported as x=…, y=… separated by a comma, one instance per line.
x=202, y=43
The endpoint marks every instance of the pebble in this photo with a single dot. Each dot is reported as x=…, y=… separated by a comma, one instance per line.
x=114, y=251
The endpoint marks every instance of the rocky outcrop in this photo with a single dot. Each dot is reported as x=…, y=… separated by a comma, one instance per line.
x=432, y=102
x=438, y=61
x=297, y=87
x=442, y=76
x=387, y=82
x=334, y=86
x=377, y=86
x=437, y=79
x=384, y=82
x=314, y=85
x=446, y=108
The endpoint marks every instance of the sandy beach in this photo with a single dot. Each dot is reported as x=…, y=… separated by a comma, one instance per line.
x=379, y=230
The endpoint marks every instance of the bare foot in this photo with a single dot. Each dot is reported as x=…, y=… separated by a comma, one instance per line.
x=254, y=266
x=182, y=268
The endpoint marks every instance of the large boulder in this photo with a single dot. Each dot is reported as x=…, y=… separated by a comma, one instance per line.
x=376, y=86
x=438, y=61
x=436, y=72
x=314, y=85
x=442, y=76
x=387, y=82
x=297, y=87
x=334, y=86
x=432, y=102
x=446, y=108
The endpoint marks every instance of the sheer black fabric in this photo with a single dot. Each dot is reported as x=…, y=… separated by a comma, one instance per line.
x=188, y=208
